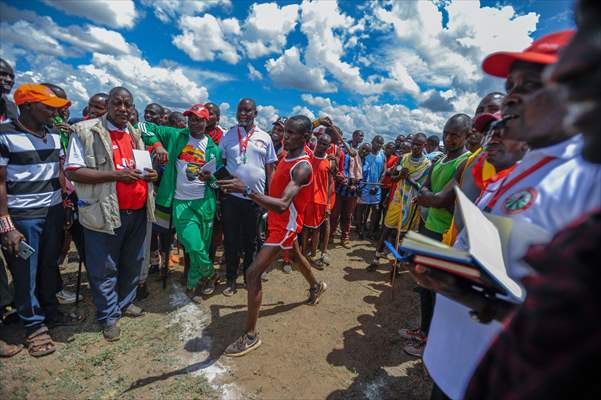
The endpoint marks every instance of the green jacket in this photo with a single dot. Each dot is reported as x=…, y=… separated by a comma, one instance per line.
x=174, y=140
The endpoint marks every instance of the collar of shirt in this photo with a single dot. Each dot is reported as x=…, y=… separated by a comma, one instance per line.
x=111, y=127
x=243, y=129
x=566, y=150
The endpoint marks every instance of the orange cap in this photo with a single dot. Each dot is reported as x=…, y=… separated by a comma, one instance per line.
x=34, y=93
x=542, y=51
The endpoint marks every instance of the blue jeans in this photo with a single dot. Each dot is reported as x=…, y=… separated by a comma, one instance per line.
x=114, y=263
x=35, y=279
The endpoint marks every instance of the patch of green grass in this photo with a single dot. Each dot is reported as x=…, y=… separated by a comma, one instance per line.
x=104, y=356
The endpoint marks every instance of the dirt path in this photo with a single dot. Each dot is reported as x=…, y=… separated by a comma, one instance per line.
x=346, y=347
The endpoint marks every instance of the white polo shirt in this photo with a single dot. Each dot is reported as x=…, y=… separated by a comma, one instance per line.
x=259, y=153
x=550, y=197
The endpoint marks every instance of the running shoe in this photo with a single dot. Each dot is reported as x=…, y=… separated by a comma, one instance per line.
x=67, y=297
x=315, y=292
x=412, y=334
x=230, y=290
x=244, y=344
x=415, y=350
x=209, y=286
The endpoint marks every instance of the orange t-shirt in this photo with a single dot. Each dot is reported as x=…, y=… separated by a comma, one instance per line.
x=131, y=196
x=321, y=176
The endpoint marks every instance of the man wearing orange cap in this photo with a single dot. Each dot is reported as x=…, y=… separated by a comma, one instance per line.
x=186, y=192
x=549, y=188
x=31, y=211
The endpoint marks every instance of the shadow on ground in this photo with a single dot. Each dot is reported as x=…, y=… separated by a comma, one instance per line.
x=373, y=350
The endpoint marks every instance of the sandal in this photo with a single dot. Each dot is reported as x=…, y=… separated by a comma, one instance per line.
x=40, y=343
x=9, y=350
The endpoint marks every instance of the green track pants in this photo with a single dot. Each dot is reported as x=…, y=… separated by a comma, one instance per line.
x=194, y=229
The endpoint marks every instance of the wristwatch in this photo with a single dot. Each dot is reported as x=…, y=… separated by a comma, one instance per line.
x=247, y=191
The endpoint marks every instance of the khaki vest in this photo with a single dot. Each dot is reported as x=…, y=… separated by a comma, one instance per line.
x=98, y=203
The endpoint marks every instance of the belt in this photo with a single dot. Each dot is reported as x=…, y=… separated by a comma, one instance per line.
x=130, y=211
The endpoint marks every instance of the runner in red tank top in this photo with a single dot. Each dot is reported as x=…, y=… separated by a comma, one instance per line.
x=289, y=192
x=317, y=209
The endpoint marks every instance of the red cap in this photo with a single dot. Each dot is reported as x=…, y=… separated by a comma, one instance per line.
x=199, y=110
x=481, y=121
x=34, y=93
x=542, y=51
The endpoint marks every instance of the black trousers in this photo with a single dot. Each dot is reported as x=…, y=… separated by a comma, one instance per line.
x=240, y=222
x=427, y=297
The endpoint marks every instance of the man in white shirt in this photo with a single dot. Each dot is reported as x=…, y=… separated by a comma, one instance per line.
x=249, y=154
x=549, y=188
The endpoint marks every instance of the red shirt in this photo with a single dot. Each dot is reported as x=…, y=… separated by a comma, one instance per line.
x=216, y=134
x=292, y=219
x=131, y=196
x=387, y=181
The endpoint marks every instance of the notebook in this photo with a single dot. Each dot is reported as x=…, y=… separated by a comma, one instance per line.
x=483, y=263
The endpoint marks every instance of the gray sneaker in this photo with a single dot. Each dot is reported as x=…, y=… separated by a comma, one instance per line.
x=111, y=333
x=244, y=344
x=209, y=286
x=315, y=292
x=230, y=290
x=133, y=311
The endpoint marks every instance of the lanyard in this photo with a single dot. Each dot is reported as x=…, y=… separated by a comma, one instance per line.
x=243, y=144
x=505, y=186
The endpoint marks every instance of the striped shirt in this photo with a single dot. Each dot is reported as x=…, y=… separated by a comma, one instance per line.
x=32, y=171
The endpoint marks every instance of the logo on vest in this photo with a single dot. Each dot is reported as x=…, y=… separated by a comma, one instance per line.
x=520, y=201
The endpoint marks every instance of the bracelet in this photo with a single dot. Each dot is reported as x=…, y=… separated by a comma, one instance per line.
x=6, y=224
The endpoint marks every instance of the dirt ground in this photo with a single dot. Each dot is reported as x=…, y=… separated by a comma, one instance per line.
x=347, y=347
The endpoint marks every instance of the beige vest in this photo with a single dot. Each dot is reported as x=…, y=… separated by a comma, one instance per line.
x=99, y=206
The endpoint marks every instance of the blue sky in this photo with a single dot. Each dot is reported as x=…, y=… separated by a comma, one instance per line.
x=386, y=67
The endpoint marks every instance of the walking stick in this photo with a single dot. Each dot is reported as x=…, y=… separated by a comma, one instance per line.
x=165, y=269
x=398, y=231
x=78, y=287
x=82, y=257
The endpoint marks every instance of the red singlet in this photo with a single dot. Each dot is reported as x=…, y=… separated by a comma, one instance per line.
x=291, y=220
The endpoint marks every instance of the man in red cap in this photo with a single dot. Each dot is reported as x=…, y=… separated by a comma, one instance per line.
x=31, y=211
x=549, y=188
x=547, y=348
x=186, y=195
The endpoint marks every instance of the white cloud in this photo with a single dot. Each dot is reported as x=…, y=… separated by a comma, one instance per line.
x=153, y=83
x=30, y=31
x=388, y=120
x=266, y=116
x=263, y=32
x=302, y=110
x=266, y=28
x=451, y=56
x=169, y=10
x=148, y=83
x=207, y=38
x=289, y=71
x=117, y=14
x=253, y=73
